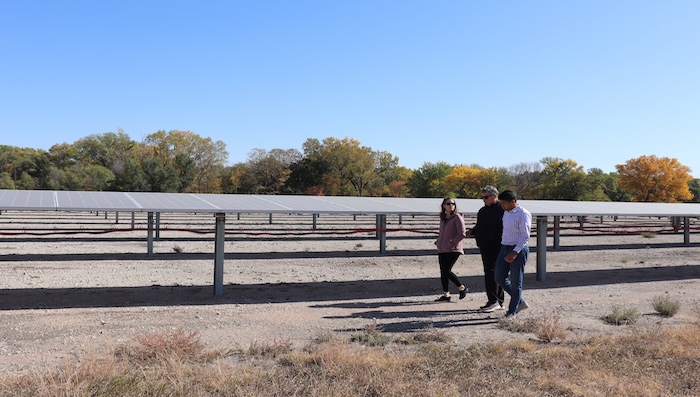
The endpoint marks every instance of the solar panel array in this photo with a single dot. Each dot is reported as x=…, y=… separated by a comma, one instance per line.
x=44, y=200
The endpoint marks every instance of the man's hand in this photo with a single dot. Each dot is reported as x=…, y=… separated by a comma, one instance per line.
x=511, y=256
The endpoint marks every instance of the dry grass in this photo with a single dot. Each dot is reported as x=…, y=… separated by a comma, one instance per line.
x=547, y=327
x=622, y=316
x=657, y=362
x=665, y=306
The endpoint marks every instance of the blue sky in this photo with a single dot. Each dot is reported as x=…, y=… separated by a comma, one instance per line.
x=493, y=83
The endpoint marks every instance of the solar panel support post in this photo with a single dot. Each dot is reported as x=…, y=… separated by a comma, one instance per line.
x=381, y=228
x=557, y=222
x=116, y=217
x=150, y=234
x=219, y=254
x=133, y=219
x=270, y=218
x=157, y=225
x=541, y=248
x=314, y=221
x=686, y=231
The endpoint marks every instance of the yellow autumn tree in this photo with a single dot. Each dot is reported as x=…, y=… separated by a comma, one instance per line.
x=653, y=179
x=468, y=181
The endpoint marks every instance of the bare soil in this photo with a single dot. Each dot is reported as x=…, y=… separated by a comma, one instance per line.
x=69, y=290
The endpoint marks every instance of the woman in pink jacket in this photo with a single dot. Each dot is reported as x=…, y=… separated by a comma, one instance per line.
x=449, y=247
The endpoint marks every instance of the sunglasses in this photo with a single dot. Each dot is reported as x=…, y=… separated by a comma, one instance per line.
x=448, y=203
x=485, y=197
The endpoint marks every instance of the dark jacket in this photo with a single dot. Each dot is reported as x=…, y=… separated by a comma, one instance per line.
x=489, y=226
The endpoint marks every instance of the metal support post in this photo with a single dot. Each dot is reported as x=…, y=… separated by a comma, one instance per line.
x=541, y=248
x=150, y=234
x=219, y=254
x=157, y=225
x=381, y=222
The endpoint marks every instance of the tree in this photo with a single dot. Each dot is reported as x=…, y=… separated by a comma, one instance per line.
x=118, y=153
x=429, y=180
x=6, y=181
x=267, y=172
x=562, y=179
x=351, y=167
x=207, y=158
x=653, y=179
x=694, y=186
x=467, y=181
x=526, y=180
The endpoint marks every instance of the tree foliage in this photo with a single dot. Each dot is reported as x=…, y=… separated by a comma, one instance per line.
x=429, y=180
x=182, y=161
x=654, y=179
x=562, y=179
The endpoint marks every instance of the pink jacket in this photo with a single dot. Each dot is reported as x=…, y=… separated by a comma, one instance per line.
x=452, y=232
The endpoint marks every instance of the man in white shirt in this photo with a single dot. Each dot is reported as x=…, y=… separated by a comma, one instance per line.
x=512, y=258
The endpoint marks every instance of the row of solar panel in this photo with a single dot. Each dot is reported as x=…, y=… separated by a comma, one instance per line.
x=42, y=200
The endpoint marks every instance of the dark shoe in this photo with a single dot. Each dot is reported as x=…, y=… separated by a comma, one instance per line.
x=443, y=298
x=463, y=293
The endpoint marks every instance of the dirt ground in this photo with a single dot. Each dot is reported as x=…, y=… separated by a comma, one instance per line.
x=69, y=290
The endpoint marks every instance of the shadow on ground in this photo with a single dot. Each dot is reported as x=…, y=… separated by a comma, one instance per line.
x=347, y=292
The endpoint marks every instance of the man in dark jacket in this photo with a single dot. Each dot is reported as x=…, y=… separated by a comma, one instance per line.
x=487, y=232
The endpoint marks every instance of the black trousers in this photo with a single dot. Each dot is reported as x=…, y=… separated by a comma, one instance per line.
x=494, y=292
x=446, y=261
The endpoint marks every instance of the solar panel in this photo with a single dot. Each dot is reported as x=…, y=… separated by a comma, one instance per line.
x=94, y=201
x=243, y=203
x=27, y=200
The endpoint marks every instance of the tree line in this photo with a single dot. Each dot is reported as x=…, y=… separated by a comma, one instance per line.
x=182, y=161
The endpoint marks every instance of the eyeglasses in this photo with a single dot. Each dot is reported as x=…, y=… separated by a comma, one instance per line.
x=448, y=203
x=485, y=197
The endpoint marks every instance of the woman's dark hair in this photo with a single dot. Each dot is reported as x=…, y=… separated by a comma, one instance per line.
x=443, y=214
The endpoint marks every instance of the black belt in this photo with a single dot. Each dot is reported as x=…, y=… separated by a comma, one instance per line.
x=510, y=247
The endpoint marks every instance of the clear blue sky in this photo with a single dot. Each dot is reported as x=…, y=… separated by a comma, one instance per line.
x=494, y=83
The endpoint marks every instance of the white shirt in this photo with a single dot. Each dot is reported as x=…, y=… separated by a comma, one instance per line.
x=516, y=228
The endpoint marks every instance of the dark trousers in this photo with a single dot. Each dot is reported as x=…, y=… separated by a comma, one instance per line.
x=494, y=292
x=446, y=261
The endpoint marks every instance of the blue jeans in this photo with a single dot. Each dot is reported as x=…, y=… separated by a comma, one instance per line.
x=510, y=276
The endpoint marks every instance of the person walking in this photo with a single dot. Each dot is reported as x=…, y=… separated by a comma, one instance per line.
x=449, y=247
x=487, y=233
x=510, y=264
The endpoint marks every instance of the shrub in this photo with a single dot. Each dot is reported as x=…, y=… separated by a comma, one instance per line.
x=270, y=350
x=620, y=316
x=665, y=306
x=428, y=335
x=371, y=335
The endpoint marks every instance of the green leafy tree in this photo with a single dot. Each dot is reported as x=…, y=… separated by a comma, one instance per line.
x=595, y=178
x=197, y=161
x=161, y=176
x=6, y=181
x=116, y=152
x=429, y=180
x=562, y=179
x=694, y=187
x=654, y=179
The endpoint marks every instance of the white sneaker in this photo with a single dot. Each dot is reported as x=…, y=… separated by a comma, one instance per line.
x=509, y=317
x=491, y=308
x=522, y=306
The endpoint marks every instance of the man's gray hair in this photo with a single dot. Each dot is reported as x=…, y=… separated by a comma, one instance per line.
x=490, y=189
